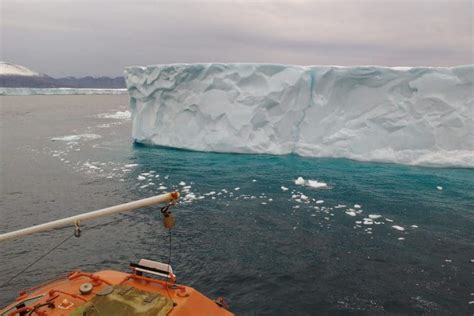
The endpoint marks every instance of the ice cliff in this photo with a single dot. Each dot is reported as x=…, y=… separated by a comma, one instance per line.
x=405, y=115
x=58, y=91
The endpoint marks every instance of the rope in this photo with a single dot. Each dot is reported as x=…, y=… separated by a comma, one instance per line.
x=49, y=304
x=169, y=255
x=169, y=262
x=165, y=211
x=38, y=259
x=77, y=233
x=55, y=247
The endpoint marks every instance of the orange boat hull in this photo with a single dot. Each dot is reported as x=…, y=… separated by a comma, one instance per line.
x=66, y=297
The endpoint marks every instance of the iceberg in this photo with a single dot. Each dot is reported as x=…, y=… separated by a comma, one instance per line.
x=417, y=116
x=59, y=91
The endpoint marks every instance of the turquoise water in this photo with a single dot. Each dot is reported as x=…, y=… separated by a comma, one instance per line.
x=264, y=256
x=266, y=250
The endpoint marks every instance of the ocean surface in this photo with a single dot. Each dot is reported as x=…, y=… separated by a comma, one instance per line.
x=378, y=238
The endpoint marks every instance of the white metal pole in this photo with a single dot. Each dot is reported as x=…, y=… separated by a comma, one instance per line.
x=91, y=215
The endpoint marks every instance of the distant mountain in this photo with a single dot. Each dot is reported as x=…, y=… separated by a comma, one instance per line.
x=16, y=76
x=8, y=69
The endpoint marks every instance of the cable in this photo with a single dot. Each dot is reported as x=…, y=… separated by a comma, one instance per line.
x=169, y=256
x=52, y=249
x=35, y=261
x=66, y=239
x=49, y=304
x=169, y=266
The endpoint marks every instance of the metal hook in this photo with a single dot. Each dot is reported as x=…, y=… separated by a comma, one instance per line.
x=77, y=229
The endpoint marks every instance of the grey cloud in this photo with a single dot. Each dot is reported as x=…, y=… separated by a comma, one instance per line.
x=100, y=38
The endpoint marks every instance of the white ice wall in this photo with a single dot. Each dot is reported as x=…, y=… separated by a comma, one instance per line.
x=405, y=115
x=58, y=91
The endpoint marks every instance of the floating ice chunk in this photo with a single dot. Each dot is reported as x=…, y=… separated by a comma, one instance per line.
x=316, y=184
x=340, y=206
x=351, y=213
x=448, y=260
x=187, y=187
x=91, y=166
x=414, y=226
x=119, y=115
x=300, y=181
x=401, y=238
x=439, y=187
x=270, y=200
x=368, y=221
x=141, y=178
x=131, y=165
x=310, y=183
x=304, y=197
x=357, y=206
x=182, y=183
x=190, y=196
x=104, y=125
x=144, y=186
x=254, y=180
x=319, y=201
x=70, y=138
x=374, y=216
x=264, y=203
x=399, y=228
x=162, y=187
x=237, y=189
x=389, y=220
x=284, y=188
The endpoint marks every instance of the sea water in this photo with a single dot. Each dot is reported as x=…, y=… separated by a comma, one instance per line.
x=374, y=238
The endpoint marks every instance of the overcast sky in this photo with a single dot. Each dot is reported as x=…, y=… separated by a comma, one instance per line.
x=65, y=37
